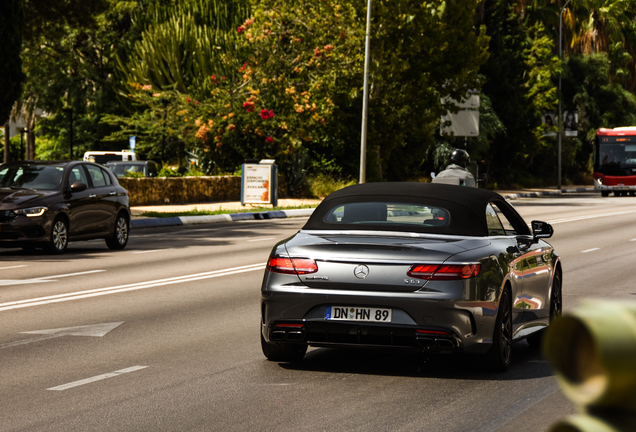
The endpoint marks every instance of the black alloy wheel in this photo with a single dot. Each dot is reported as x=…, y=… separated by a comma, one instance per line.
x=119, y=239
x=284, y=352
x=59, y=237
x=556, y=298
x=500, y=354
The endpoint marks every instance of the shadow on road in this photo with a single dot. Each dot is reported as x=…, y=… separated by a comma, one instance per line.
x=528, y=363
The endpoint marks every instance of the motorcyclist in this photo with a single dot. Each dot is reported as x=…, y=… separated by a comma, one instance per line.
x=459, y=159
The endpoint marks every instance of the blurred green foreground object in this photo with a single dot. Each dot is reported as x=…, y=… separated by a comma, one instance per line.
x=593, y=351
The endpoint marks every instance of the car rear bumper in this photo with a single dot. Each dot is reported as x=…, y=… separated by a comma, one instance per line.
x=419, y=323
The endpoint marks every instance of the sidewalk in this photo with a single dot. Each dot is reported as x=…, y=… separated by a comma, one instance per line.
x=139, y=221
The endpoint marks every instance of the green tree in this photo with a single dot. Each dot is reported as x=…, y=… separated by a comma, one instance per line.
x=70, y=65
x=184, y=42
x=11, y=76
x=506, y=84
x=310, y=67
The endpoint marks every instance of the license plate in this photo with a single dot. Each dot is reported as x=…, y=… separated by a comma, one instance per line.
x=348, y=313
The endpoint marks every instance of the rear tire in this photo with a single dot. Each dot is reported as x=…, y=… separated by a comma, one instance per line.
x=284, y=352
x=59, y=237
x=556, y=298
x=604, y=193
x=500, y=354
x=119, y=239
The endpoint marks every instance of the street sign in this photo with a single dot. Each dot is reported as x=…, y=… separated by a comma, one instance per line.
x=259, y=183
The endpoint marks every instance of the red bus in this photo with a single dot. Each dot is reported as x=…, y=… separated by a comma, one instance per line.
x=615, y=161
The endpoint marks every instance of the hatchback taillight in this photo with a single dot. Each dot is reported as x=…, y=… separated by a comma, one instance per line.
x=444, y=271
x=292, y=265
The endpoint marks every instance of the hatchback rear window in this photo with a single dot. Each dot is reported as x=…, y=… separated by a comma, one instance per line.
x=387, y=213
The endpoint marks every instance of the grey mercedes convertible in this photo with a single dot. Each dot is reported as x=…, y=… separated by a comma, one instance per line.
x=419, y=266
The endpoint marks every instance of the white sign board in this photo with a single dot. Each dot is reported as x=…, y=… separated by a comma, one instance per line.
x=463, y=124
x=466, y=122
x=256, y=187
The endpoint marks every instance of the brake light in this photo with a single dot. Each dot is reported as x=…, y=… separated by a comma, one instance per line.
x=444, y=271
x=296, y=266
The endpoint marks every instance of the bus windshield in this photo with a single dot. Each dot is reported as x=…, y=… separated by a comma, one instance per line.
x=614, y=154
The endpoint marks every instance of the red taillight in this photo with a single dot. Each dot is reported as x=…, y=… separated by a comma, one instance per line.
x=292, y=265
x=444, y=271
x=436, y=332
x=290, y=325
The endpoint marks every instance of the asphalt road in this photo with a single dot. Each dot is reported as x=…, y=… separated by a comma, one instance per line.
x=163, y=336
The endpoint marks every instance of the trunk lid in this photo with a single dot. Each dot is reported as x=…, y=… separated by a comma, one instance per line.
x=373, y=263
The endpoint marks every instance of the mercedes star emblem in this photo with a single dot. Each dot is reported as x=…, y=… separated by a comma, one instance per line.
x=361, y=271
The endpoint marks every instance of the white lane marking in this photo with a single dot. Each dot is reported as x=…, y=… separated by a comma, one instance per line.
x=93, y=330
x=578, y=218
x=7, y=282
x=151, y=251
x=261, y=239
x=67, y=275
x=590, y=250
x=123, y=288
x=18, y=266
x=633, y=240
x=97, y=378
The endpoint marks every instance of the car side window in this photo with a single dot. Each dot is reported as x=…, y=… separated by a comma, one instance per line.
x=77, y=174
x=495, y=227
x=107, y=177
x=503, y=220
x=97, y=176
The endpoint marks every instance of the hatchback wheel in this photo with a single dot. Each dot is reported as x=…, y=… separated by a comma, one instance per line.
x=500, y=353
x=59, y=237
x=119, y=239
x=283, y=352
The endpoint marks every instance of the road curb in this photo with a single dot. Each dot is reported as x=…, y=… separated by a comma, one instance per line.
x=232, y=217
x=546, y=193
x=281, y=214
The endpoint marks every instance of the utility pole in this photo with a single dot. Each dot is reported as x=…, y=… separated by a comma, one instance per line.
x=559, y=121
x=365, y=99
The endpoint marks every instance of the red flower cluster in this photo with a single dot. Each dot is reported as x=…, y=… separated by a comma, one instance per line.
x=245, y=25
x=269, y=140
x=249, y=106
x=213, y=78
x=267, y=114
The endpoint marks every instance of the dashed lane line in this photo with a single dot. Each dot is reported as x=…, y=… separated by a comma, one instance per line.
x=590, y=250
x=124, y=288
x=97, y=378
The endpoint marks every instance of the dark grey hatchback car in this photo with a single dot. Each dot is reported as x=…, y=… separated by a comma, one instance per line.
x=47, y=204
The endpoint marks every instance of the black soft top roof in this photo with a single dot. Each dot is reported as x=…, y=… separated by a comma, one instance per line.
x=466, y=205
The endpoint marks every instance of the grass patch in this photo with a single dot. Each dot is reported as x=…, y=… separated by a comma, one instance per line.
x=196, y=212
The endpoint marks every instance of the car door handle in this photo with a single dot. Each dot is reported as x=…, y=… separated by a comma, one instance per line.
x=112, y=193
x=92, y=196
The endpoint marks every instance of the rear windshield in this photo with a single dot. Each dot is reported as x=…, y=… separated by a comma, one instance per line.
x=122, y=170
x=389, y=213
x=102, y=159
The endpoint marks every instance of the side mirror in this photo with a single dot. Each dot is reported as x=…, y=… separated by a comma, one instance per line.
x=482, y=178
x=541, y=229
x=78, y=187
